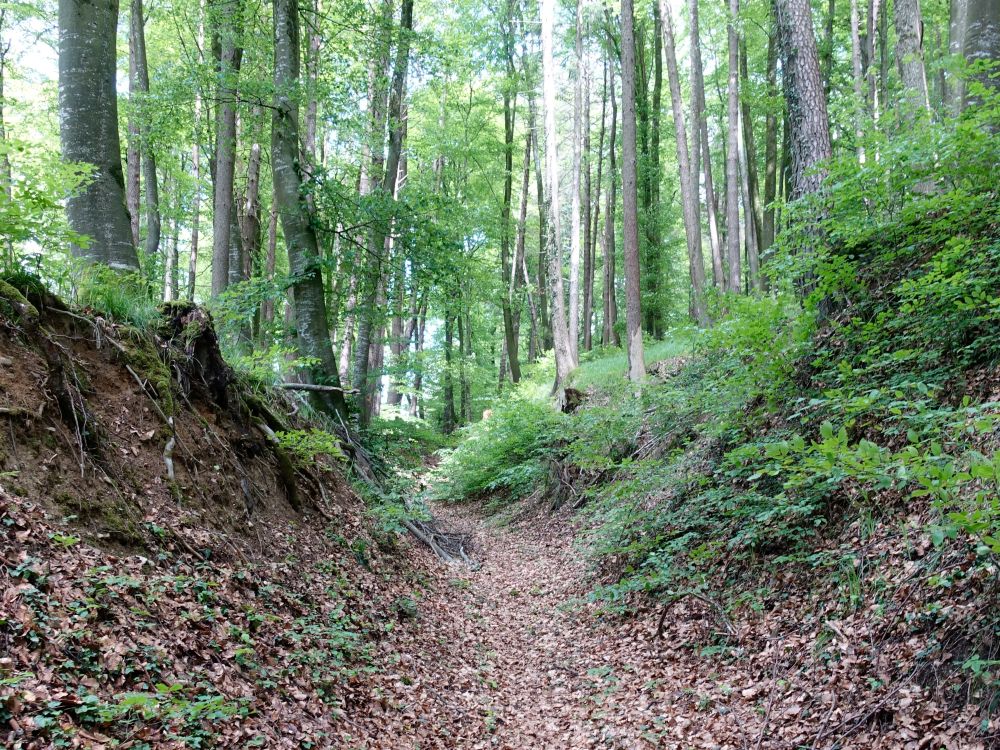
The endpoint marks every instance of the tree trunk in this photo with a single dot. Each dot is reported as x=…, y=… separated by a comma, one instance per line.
x=309, y=300
x=508, y=267
x=227, y=31
x=610, y=313
x=519, y=273
x=733, y=250
x=137, y=37
x=448, y=388
x=588, y=289
x=270, y=261
x=6, y=184
x=688, y=177
x=910, y=54
x=377, y=237
x=196, y=166
x=560, y=332
x=575, y=200
x=133, y=148
x=699, y=122
x=170, y=264
x=543, y=231
x=88, y=131
x=827, y=52
x=752, y=209
x=859, y=81
x=770, y=142
x=982, y=41
x=630, y=200
x=957, y=23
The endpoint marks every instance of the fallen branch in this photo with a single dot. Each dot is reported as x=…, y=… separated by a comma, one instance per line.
x=315, y=387
x=719, y=610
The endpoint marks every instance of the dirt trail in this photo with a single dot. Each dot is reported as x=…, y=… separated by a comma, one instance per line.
x=512, y=656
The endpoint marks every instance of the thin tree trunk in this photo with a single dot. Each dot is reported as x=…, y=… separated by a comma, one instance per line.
x=859, y=81
x=588, y=307
x=230, y=57
x=448, y=388
x=575, y=217
x=827, y=52
x=6, y=183
x=196, y=166
x=733, y=249
x=519, y=273
x=508, y=266
x=308, y=295
x=770, y=142
x=271, y=261
x=542, y=295
x=688, y=177
x=138, y=39
x=630, y=200
x=753, y=212
x=610, y=313
x=170, y=265
x=560, y=332
x=88, y=131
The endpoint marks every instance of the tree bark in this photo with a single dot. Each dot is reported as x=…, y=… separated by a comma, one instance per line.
x=560, y=331
x=982, y=41
x=734, y=275
x=588, y=289
x=610, y=313
x=508, y=266
x=227, y=31
x=630, y=200
x=910, y=54
x=308, y=296
x=688, y=176
x=137, y=38
x=377, y=237
x=752, y=209
x=575, y=201
x=809, y=127
x=859, y=81
x=88, y=131
x=770, y=142
x=957, y=23
x=196, y=168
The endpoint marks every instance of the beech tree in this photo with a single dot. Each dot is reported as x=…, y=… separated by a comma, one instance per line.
x=630, y=202
x=88, y=130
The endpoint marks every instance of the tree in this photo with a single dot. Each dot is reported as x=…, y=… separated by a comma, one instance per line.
x=308, y=295
x=981, y=40
x=560, y=332
x=630, y=200
x=609, y=319
x=807, y=117
x=227, y=31
x=733, y=275
x=688, y=177
x=575, y=220
x=139, y=92
x=910, y=54
x=88, y=131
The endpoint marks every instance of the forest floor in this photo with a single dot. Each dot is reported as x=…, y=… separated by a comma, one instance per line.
x=513, y=655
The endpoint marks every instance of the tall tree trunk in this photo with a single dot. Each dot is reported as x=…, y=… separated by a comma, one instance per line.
x=228, y=29
x=753, y=212
x=575, y=207
x=170, y=265
x=448, y=388
x=688, y=177
x=826, y=54
x=630, y=200
x=859, y=81
x=560, y=331
x=88, y=131
x=733, y=250
x=809, y=129
x=250, y=223
x=910, y=54
x=610, y=312
x=137, y=39
x=519, y=273
x=649, y=179
x=196, y=168
x=308, y=296
x=270, y=261
x=770, y=141
x=588, y=299
x=542, y=295
x=699, y=123
x=376, y=241
x=957, y=23
x=508, y=267
x=133, y=148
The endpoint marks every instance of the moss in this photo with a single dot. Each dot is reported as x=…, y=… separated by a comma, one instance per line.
x=18, y=303
x=145, y=360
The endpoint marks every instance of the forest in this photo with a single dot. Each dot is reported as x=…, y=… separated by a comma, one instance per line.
x=500, y=374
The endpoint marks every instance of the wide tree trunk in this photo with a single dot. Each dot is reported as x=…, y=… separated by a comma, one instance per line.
x=88, y=131
x=308, y=296
x=688, y=177
x=560, y=331
x=630, y=201
x=957, y=22
x=982, y=39
x=734, y=275
x=230, y=56
x=809, y=127
x=910, y=54
x=544, y=323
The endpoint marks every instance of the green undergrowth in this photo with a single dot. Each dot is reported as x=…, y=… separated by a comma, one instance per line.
x=782, y=427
